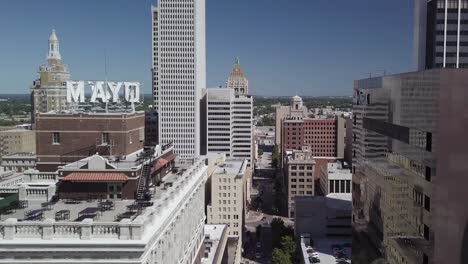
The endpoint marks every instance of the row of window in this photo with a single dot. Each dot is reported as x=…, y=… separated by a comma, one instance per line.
x=339, y=186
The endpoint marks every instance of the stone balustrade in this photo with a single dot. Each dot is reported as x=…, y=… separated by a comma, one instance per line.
x=31, y=176
x=86, y=230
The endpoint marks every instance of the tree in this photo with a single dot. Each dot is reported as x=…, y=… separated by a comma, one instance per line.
x=260, y=152
x=288, y=245
x=279, y=257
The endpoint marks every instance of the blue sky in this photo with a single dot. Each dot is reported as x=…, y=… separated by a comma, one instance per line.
x=314, y=47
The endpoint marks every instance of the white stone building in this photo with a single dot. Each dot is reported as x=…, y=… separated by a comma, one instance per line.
x=169, y=230
x=227, y=196
x=227, y=124
x=336, y=177
x=179, y=71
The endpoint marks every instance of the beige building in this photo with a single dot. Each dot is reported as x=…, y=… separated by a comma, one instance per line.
x=299, y=174
x=336, y=177
x=227, y=195
x=49, y=90
x=17, y=140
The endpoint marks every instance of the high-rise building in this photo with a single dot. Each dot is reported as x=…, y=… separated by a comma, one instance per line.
x=228, y=122
x=325, y=136
x=283, y=111
x=237, y=80
x=441, y=34
x=409, y=189
x=228, y=183
x=49, y=92
x=178, y=71
x=151, y=128
x=299, y=166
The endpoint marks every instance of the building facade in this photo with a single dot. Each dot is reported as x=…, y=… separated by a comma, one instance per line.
x=19, y=161
x=441, y=34
x=406, y=165
x=48, y=92
x=237, y=80
x=17, y=140
x=169, y=228
x=151, y=128
x=282, y=111
x=68, y=137
x=335, y=177
x=228, y=121
x=299, y=175
x=179, y=72
x=227, y=196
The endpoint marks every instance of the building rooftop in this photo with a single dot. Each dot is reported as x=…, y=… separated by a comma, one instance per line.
x=341, y=201
x=338, y=171
x=232, y=167
x=213, y=236
x=118, y=209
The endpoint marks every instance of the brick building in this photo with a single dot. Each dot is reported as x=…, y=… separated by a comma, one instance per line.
x=62, y=138
x=324, y=136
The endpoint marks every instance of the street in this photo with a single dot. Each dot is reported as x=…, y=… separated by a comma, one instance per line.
x=266, y=205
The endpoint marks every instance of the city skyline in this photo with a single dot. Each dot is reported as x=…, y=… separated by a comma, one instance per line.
x=122, y=33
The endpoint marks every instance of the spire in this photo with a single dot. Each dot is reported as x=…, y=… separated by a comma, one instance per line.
x=237, y=61
x=54, y=50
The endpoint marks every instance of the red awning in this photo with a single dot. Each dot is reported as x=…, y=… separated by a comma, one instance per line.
x=96, y=177
x=160, y=163
x=169, y=156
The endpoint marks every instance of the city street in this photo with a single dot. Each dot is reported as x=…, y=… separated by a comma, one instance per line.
x=257, y=247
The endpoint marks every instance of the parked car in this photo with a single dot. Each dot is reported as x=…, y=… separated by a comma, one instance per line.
x=314, y=260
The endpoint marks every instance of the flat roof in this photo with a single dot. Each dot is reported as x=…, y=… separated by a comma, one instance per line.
x=121, y=208
x=231, y=167
x=213, y=234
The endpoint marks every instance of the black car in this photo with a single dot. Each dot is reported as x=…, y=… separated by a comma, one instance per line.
x=314, y=260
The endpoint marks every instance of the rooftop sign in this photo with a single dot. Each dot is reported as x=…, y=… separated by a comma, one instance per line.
x=103, y=91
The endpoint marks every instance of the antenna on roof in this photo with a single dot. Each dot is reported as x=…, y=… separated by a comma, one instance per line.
x=105, y=73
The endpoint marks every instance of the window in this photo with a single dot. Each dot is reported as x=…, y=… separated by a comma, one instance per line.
x=332, y=186
x=55, y=138
x=105, y=138
x=427, y=203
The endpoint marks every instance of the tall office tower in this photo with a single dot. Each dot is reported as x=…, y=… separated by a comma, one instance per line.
x=441, y=34
x=179, y=72
x=227, y=123
x=409, y=181
x=237, y=80
x=48, y=92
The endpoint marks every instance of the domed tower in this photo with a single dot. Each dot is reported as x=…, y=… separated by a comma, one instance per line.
x=297, y=107
x=237, y=80
x=49, y=90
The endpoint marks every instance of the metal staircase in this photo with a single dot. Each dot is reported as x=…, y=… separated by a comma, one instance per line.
x=147, y=161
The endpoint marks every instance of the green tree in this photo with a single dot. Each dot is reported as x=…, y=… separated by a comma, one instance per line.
x=279, y=257
x=260, y=152
x=288, y=245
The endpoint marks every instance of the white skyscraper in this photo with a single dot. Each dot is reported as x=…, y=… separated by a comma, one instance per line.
x=179, y=71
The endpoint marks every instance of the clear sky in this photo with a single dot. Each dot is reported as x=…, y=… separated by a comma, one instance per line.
x=314, y=47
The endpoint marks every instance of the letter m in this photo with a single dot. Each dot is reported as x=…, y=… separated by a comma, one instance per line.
x=75, y=92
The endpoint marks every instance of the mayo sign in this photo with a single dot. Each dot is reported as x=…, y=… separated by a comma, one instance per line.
x=102, y=91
